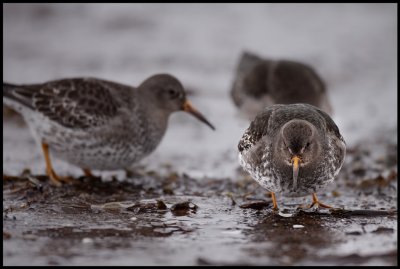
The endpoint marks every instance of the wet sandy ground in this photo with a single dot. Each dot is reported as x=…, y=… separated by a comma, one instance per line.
x=174, y=219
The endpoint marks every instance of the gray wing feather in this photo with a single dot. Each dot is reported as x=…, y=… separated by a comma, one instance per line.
x=257, y=129
x=77, y=103
x=330, y=124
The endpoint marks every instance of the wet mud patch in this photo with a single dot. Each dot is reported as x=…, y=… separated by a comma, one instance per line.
x=173, y=219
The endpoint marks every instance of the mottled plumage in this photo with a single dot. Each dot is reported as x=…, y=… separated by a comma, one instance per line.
x=259, y=83
x=98, y=124
x=77, y=103
x=279, y=133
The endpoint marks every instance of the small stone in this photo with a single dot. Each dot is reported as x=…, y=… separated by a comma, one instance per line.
x=257, y=204
x=383, y=230
x=298, y=226
x=6, y=235
x=87, y=240
x=184, y=206
x=285, y=215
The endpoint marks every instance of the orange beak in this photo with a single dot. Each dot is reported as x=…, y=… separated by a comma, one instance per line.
x=295, y=160
x=187, y=106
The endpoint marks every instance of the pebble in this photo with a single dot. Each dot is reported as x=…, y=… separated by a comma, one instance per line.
x=87, y=240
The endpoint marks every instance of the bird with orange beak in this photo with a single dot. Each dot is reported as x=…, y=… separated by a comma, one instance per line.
x=98, y=124
x=295, y=150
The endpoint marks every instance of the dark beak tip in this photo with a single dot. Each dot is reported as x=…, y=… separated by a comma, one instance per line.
x=208, y=124
x=189, y=109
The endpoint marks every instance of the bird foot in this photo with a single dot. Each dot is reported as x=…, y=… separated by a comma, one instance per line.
x=57, y=180
x=87, y=172
x=318, y=204
x=314, y=205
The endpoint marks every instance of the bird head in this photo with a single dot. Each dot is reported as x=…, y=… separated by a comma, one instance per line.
x=168, y=95
x=299, y=144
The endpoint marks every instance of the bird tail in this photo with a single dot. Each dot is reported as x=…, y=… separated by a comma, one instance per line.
x=16, y=94
x=8, y=88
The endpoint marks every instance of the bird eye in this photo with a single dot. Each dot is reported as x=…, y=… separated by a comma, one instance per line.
x=172, y=93
x=308, y=144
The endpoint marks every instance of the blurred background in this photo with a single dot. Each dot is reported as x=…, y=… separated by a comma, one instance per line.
x=352, y=46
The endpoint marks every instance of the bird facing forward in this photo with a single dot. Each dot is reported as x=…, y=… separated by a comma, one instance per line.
x=292, y=149
x=98, y=124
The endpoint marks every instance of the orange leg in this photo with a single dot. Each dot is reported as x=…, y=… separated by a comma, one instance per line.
x=317, y=202
x=274, y=201
x=54, y=178
x=87, y=172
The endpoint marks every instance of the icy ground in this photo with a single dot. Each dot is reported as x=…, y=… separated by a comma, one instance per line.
x=352, y=46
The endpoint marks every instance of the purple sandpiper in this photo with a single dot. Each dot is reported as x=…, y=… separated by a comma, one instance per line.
x=98, y=124
x=260, y=82
x=293, y=149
